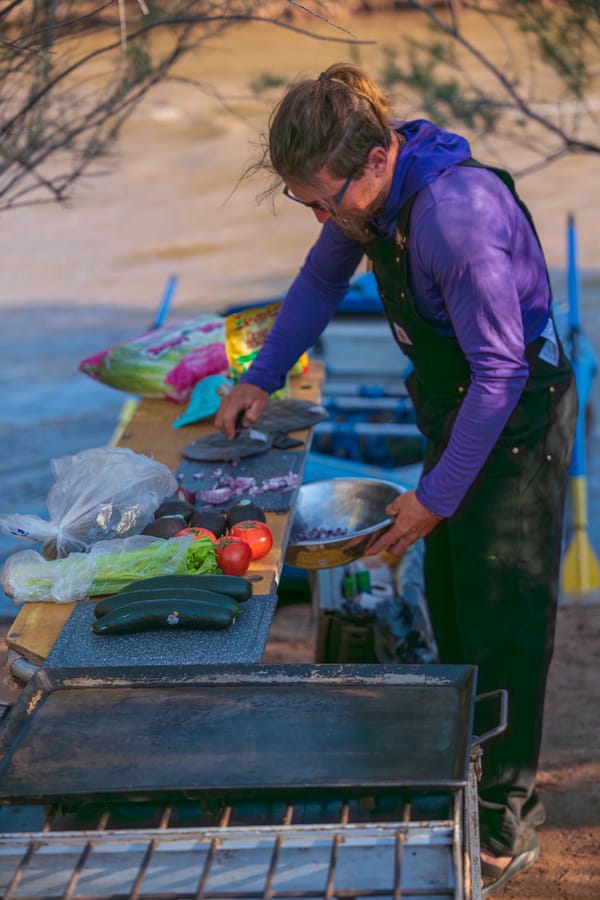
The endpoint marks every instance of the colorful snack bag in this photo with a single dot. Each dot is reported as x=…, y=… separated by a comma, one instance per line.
x=245, y=333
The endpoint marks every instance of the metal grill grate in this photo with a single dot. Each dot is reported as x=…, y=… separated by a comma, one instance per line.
x=334, y=851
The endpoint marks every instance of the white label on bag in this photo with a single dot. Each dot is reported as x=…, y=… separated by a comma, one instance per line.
x=401, y=334
x=549, y=352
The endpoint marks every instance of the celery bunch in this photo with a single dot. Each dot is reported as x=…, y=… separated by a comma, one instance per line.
x=108, y=567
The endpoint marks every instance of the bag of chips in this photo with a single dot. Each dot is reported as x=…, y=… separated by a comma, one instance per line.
x=245, y=333
x=166, y=362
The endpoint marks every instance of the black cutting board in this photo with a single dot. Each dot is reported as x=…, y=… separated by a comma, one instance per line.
x=219, y=448
x=201, y=476
x=290, y=414
x=242, y=642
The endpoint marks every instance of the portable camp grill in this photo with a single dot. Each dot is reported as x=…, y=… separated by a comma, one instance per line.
x=242, y=782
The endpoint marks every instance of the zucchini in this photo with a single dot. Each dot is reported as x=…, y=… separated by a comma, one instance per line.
x=237, y=587
x=142, y=594
x=152, y=615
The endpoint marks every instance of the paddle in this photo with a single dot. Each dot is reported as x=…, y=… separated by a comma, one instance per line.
x=580, y=568
x=130, y=405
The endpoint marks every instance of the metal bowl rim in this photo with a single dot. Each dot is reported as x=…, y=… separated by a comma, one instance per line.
x=324, y=543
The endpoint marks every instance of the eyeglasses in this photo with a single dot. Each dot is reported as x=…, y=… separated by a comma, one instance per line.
x=316, y=204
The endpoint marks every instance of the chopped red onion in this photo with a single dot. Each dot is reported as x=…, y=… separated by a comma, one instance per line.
x=318, y=534
x=216, y=495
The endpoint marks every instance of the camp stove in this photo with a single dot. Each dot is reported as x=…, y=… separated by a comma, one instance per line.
x=248, y=782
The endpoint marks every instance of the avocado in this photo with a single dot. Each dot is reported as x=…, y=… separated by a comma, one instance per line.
x=174, y=507
x=165, y=526
x=243, y=512
x=211, y=519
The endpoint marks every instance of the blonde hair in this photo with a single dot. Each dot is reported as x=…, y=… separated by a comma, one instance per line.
x=333, y=120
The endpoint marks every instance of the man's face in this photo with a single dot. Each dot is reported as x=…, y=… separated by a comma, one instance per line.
x=351, y=202
x=355, y=222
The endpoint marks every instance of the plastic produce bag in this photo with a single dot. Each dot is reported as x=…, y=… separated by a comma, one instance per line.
x=108, y=567
x=403, y=631
x=102, y=493
x=166, y=362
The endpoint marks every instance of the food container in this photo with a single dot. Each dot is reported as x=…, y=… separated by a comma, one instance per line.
x=336, y=521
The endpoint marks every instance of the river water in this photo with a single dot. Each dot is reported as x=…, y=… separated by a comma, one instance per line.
x=79, y=278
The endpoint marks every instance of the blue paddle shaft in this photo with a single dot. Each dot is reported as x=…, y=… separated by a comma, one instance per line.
x=572, y=274
x=577, y=467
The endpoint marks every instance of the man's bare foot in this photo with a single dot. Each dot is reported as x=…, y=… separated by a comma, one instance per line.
x=497, y=870
x=501, y=862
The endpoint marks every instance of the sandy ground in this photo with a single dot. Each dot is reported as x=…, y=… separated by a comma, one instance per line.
x=569, y=776
x=166, y=207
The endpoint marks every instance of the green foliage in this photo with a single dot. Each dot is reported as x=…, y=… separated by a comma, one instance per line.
x=521, y=69
x=60, y=110
x=138, y=65
x=63, y=100
x=265, y=82
x=443, y=97
x=562, y=34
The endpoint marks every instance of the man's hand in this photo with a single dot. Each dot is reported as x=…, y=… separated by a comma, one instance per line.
x=411, y=522
x=246, y=398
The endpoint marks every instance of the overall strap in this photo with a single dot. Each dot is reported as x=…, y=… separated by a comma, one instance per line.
x=403, y=220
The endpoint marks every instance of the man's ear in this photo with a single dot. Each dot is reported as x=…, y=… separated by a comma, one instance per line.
x=377, y=159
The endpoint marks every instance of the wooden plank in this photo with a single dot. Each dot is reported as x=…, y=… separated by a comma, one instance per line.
x=151, y=433
x=36, y=627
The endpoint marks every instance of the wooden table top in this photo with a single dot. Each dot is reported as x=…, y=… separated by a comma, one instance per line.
x=150, y=433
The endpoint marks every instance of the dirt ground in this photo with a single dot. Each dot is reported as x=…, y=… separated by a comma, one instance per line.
x=569, y=777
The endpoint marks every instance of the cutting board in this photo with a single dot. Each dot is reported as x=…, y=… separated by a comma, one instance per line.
x=290, y=414
x=243, y=642
x=198, y=476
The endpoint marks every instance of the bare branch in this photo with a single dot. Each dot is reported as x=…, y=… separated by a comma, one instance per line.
x=55, y=124
x=560, y=40
x=318, y=16
x=8, y=9
x=65, y=24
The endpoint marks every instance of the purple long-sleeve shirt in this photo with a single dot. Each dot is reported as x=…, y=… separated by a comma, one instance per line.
x=477, y=272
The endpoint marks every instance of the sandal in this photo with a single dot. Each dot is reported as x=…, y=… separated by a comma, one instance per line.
x=495, y=877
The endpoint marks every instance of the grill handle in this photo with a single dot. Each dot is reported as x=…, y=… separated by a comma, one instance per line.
x=502, y=693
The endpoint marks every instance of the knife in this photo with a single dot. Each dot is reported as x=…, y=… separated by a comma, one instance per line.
x=252, y=433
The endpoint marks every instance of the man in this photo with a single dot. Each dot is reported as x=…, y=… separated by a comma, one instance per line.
x=465, y=289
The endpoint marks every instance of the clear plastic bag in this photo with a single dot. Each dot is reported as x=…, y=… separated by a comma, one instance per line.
x=403, y=631
x=105, y=569
x=99, y=494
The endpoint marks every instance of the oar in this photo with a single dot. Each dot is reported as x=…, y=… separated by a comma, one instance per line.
x=130, y=405
x=580, y=568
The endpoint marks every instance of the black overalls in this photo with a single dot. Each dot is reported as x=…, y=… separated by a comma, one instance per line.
x=491, y=569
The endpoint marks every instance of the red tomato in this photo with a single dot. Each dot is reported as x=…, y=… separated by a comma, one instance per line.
x=233, y=556
x=197, y=532
x=257, y=535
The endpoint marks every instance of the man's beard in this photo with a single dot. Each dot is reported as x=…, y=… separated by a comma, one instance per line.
x=357, y=226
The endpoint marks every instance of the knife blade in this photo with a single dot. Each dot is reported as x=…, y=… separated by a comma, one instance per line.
x=252, y=433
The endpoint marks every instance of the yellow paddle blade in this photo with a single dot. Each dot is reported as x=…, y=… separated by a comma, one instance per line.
x=126, y=415
x=580, y=568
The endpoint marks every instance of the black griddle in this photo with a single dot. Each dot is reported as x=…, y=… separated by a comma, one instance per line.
x=246, y=730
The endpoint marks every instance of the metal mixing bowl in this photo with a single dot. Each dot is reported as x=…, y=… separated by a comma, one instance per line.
x=336, y=521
